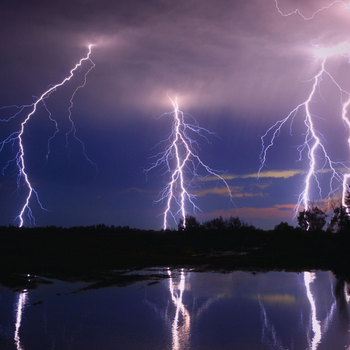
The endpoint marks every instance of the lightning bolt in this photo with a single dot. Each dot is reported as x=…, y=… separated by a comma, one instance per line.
x=17, y=136
x=319, y=329
x=314, y=142
x=298, y=12
x=180, y=333
x=269, y=333
x=21, y=304
x=180, y=159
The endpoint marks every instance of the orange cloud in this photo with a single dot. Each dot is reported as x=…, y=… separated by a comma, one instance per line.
x=285, y=174
x=281, y=212
x=276, y=174
x=237, y=192
x=135, y=189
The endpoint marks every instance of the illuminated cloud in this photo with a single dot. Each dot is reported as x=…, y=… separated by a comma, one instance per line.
x=236, y=192
x=272, y=174
x=276, y=298
x=285, y=174
x=279, y=212
x=263, y=186
x=340, y=49
x=264, y=174
x=136, y=189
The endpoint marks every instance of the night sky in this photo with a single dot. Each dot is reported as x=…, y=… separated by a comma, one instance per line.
x=235, y=66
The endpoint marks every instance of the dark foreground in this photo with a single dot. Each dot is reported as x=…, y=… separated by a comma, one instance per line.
x=101, y=254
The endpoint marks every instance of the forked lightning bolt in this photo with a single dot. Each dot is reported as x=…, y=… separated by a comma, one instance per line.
x=180, y=162
x=16, y=138
x=314, y=143
x=180, y=330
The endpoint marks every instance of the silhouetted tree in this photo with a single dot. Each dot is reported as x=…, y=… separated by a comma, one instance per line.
x=191, y=224
x=233, y=223
x=340, y=220
x=283, y=227
x=312, y=219
x=216, y=224
x=347, y=199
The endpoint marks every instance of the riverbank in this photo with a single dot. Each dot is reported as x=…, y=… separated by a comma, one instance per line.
x=102, y=254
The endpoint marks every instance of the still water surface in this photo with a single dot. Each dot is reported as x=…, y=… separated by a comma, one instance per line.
x=189, y=310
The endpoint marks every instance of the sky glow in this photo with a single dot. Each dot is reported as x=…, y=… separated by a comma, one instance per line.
x=340, y=49
x=238, y=67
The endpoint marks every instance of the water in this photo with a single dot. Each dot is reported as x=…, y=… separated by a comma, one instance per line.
x=190, y=310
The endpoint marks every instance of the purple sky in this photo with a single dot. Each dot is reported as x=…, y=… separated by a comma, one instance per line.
x=236, y=66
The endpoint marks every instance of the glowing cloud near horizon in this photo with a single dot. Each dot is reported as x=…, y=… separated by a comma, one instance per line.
x=16, y=138
x=314, y=144
x=181, y=162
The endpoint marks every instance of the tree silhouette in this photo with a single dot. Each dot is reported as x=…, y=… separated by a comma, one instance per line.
x=312, y=219
x=340, y=220
x=191, y=224
x=283, y=227
x=231, y=224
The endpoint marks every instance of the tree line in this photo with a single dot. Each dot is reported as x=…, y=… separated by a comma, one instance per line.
x=232, y=223
x=315, y=218
x=312, y=219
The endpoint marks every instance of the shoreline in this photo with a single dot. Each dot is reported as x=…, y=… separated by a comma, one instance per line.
x=103, y=254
